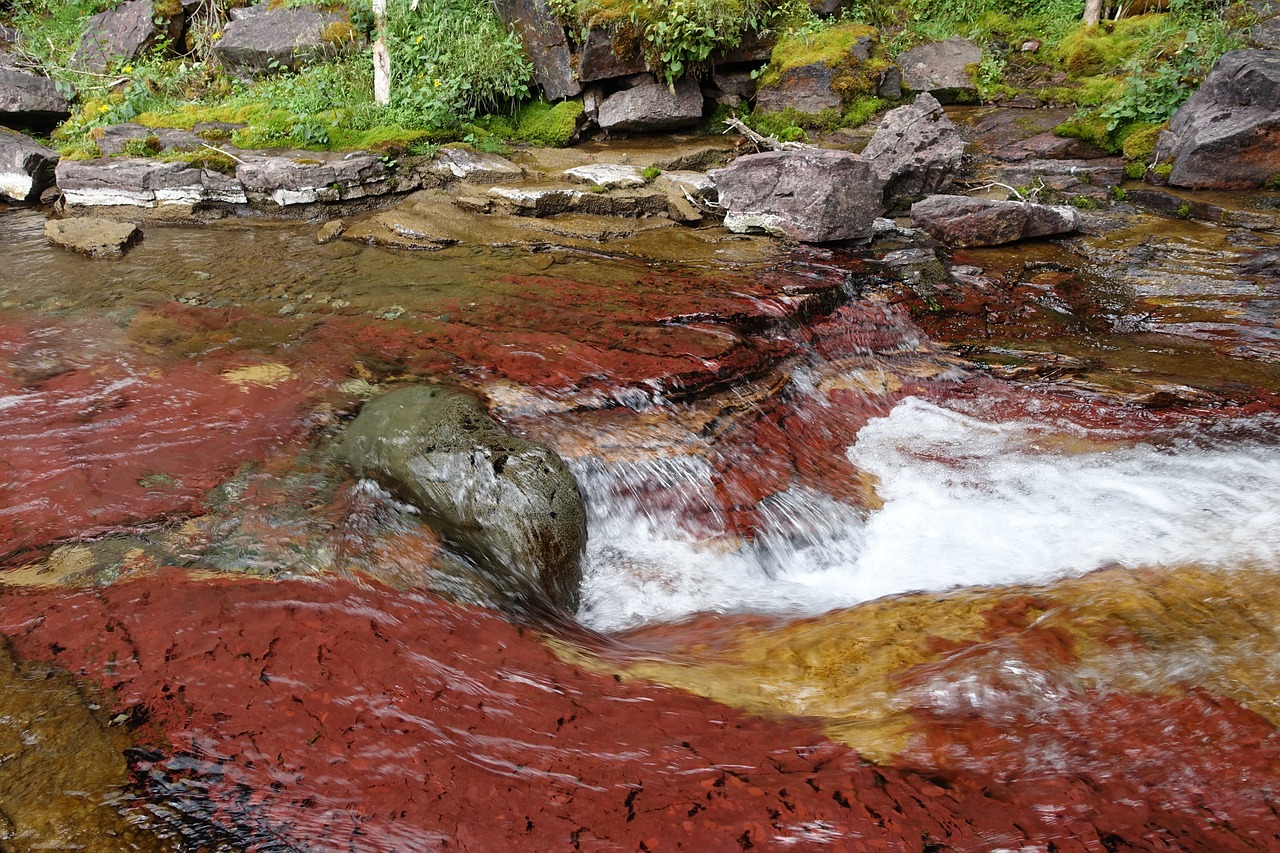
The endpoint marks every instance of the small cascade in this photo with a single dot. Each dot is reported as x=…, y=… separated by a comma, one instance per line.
x=966, y=502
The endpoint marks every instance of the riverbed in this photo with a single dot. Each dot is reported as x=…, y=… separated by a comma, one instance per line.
x=883, y=552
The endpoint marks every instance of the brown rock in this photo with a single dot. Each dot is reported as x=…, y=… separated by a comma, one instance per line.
x=962, y=222
x=92, y=235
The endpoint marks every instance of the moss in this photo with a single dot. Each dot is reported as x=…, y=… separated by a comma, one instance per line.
x=785, y=124
x=1109, y=46
x=1138, y=140
x=142, y=147
x=781, y=123
x=79, y=149
x=1183, y=211
x=1163, y=171
x=1135, y=169
x=833, y=47
x=1099, y=90
x=861, y=111
x=205, y=158
x=649, y=173
x=1272, y=183
x=338, y=32
x=553, y=126
x=1088, y=127
x=167, y=8
x=1118, y=193
x=1083, y=202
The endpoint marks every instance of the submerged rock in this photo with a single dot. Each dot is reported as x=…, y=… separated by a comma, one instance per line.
x=962, y=222
x=26, y=166
x=1227, y=135
x=92, y=235
x=813, y=195
x=507, y=503
x=916, y=150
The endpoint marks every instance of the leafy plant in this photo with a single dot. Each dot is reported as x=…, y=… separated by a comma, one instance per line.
x=451, y=60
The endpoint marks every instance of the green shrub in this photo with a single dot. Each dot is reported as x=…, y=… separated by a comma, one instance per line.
x=679, y=36
x=452, y=60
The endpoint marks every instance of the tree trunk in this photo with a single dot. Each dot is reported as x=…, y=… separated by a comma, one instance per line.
x=1092, y=13
x=381, y=58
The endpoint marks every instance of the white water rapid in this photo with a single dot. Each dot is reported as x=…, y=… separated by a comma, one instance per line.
x=966, y=502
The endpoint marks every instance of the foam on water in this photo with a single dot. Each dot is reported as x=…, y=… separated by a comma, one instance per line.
x=966, y=502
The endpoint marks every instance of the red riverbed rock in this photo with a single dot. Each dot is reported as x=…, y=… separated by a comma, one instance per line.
x=98, y=436
x=338, y=716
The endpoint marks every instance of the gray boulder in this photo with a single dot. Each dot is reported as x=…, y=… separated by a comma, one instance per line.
x=510, y=505
x=1227, y=135
x=806, y=89
x=916, y=150
x=545, y=44
x=812, y=195
x=652, y=107
x=306, y=177
x=962, y=222
x=142, y=182
x=276, y=39
x=600, y=59
x=30, y=101
x=92, y=235
x=26, y=166
x=945, y=69
x=122, y=33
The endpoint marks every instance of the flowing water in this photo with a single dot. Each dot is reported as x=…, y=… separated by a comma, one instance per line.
x=1018, y=555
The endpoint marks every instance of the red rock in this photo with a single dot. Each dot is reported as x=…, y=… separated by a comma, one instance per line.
x=331, y=714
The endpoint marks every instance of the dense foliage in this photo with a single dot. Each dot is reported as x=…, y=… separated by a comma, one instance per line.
x=460, y=74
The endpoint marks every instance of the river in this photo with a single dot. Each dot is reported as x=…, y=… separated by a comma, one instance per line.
x=879, y=556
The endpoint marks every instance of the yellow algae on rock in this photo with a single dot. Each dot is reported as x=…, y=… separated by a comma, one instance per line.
x=869, y=671
x=62, y=767
x=267, y=375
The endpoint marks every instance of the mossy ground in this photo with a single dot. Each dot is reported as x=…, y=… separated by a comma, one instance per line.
x=1126, y=76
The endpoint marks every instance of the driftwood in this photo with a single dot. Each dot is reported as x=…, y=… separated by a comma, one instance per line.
x=765, y=143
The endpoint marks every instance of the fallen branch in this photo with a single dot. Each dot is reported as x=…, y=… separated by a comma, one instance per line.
x=765, y=143
x=220, y=151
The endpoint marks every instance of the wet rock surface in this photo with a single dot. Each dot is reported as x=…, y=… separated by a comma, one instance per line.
x=772, y=782
x=814, y=196
x=92, y=236
x=510, y=504
x=1225, y=135
x=965, y=222
x=186, y=415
